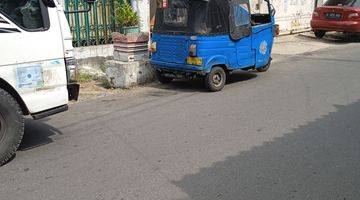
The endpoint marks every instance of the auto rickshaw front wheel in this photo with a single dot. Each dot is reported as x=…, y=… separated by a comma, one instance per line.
x=265, y=67
x=216, y=79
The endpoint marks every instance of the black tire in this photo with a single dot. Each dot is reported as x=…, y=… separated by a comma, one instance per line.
x=216, y=79
x=12, y=123
x=164, y=80
x=319, y=34
x=265, y=67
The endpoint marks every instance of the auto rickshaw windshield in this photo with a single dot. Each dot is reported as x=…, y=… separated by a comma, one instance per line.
x=193, y=17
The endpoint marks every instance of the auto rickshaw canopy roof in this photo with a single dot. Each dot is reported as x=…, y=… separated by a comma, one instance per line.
x=203, y=17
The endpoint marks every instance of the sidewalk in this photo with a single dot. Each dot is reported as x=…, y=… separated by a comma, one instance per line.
x=297, y=44
x=284, y=46
x=307, y=42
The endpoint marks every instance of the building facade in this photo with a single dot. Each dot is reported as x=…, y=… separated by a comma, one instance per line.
x=291, y=15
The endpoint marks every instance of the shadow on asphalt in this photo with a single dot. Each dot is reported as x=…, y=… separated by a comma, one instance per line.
x=37, y=133
x=197, y=85
x=320, y=160
x=332, y=38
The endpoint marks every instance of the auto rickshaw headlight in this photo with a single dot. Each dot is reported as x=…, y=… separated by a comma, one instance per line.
x=192, y=50
x=153, y=47
x=194, y=61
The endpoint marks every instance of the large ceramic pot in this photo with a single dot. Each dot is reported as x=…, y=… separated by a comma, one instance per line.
x=130, y=30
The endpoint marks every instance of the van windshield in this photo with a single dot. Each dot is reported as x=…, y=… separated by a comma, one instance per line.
x=192, y=17
x=347, y=3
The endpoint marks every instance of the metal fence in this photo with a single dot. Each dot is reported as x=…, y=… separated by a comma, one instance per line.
x=94, y=27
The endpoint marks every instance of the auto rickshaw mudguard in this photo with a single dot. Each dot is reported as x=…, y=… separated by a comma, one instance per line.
x=216, y=61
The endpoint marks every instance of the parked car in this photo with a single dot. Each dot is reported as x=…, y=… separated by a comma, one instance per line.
x=336, y=15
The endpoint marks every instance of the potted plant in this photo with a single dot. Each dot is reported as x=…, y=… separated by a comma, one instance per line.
x=129, y=43
x=127, y=19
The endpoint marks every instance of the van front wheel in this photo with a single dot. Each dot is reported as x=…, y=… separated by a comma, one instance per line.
x=12, y=124
x=216, y=79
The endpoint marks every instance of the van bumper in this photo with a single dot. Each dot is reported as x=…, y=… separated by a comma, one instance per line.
x=50, y=112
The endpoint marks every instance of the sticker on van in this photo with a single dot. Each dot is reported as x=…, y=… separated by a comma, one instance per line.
x=29, y=77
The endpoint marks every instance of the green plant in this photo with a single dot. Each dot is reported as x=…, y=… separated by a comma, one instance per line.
x=106, y=84
x=125, y=16
x=85, y=78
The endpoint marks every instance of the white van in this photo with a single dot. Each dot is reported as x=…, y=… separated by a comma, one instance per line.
x=37, y=67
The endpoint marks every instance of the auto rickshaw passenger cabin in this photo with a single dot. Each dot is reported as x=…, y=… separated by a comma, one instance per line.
x=193, y=37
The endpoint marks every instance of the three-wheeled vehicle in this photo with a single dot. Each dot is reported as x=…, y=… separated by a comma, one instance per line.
x=210, y=39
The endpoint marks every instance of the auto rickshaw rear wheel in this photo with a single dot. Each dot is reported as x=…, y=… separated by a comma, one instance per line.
x=319, y=34
x=216, y=79
x=163, y=79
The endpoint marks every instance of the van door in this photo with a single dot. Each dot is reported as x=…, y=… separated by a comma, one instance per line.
x=240, y=32
x=32, y=55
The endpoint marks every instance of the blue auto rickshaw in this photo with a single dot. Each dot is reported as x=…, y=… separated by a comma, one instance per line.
x=210, y=39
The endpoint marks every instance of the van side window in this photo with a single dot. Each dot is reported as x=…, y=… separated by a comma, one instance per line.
x=241, y=14
x=25, y=13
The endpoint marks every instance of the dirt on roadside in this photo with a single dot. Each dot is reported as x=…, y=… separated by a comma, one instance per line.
x=95, y=89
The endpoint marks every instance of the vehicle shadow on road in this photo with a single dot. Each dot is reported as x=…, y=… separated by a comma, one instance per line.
x=319, y=160
x=37, y=133
x=197, y=85
x=332, y=38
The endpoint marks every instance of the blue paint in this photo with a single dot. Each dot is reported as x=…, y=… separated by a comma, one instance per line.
x=251, y=51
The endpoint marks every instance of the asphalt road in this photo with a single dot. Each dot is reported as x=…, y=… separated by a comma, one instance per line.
x=290, y=133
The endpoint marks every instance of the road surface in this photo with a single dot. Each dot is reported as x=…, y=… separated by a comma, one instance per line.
x=290, y=133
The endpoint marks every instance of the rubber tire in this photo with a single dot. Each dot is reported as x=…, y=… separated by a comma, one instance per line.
x=164, y=80
x=14, y=126
x=265, y=67
x=208, y=79
x=319, y=34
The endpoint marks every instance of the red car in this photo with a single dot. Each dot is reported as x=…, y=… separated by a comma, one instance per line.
x=336, y=15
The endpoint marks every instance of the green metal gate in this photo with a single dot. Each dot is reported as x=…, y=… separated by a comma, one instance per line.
x=94, y=27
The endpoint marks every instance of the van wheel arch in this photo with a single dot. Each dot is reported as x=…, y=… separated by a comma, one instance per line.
x=9, y=89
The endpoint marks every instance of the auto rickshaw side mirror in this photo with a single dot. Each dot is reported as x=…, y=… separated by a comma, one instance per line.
x=272, y=10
